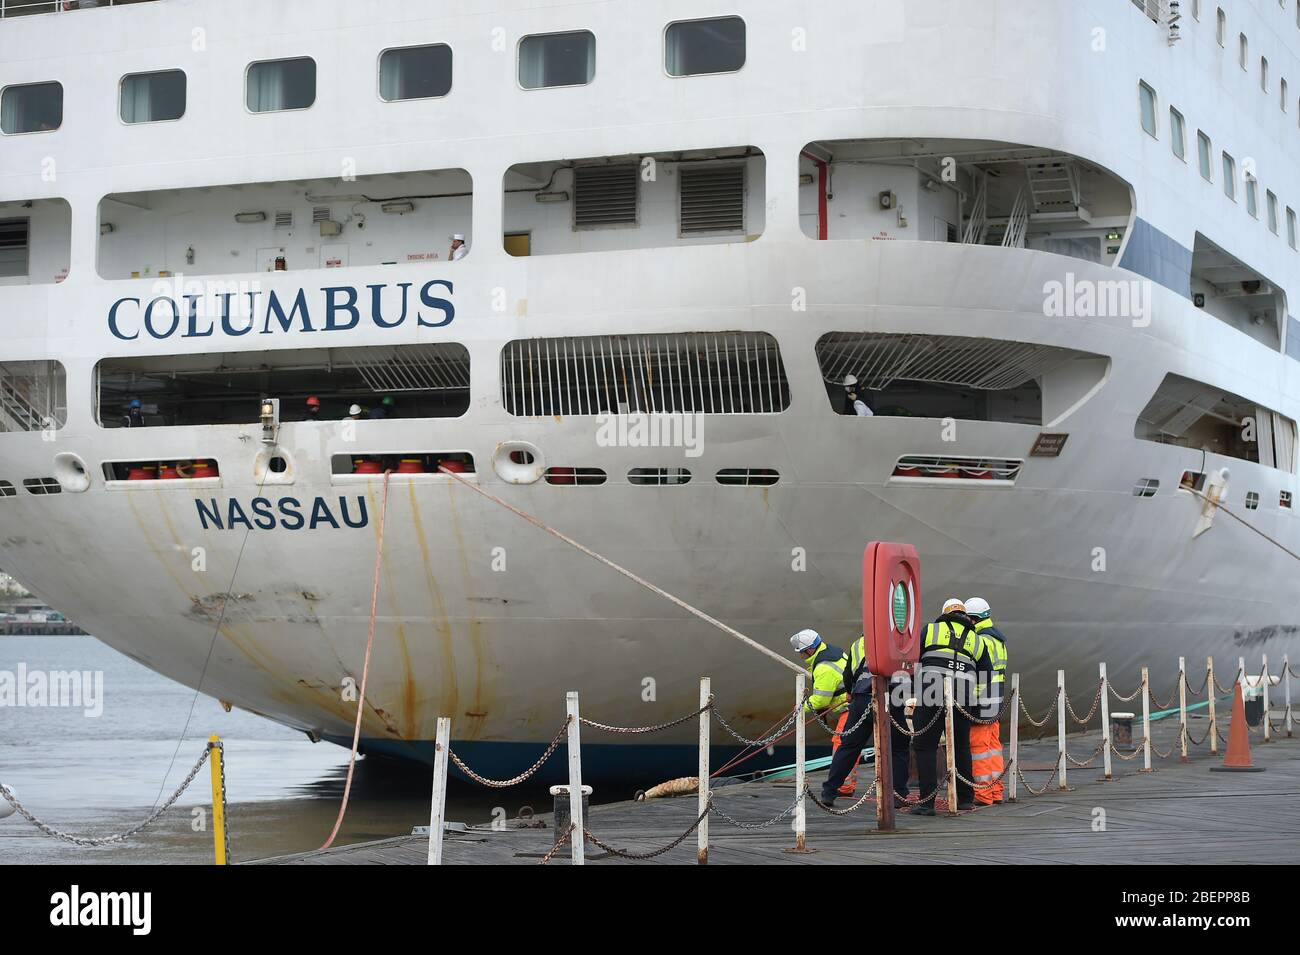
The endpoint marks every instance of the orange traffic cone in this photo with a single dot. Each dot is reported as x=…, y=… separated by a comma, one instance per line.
x=1237, y=759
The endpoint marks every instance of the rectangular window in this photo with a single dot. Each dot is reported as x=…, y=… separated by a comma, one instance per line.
x=1291, y=227
x=1177, y=134
x=152, y=97
x=557, y=59
x=1229, y=177
x=1243, y=54
x=682, y=373
x=1281, y=85
x=1147, y=102
x=695, y=47
x=32, y=108
x=1263, y=73
x=415, y=72
x=14, y=246
x=1221, y=30
x=1252, y=196
x=1204, y=150
x=1272, y=212
x=712, y=199
x=1196, y=9
x=275, y=85
x=605, y=196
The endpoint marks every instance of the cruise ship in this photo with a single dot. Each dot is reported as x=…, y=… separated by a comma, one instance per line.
x=722, y=289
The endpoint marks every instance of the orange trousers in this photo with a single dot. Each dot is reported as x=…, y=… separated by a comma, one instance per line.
x=986, y=761
x=850, y=785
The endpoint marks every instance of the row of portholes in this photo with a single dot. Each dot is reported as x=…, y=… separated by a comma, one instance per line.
x=661, y=477
x=1195, y=481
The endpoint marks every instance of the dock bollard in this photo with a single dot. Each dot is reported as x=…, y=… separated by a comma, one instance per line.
x=1014, y=748
x=218, y=798
x=577, y=811
x=562, y=806
x=1108, y=739
x=438, y=807
x=1060, y=727
x=702, y=833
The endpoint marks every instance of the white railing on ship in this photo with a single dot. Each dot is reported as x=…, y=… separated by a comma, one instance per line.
x=25, y=8
x=1157, y=10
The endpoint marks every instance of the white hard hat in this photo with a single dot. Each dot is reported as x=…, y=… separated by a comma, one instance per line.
x=805, y=640
x=977, y=607
x=850, y=381
x=954, y=605
x=355, y=409
x=458, y=237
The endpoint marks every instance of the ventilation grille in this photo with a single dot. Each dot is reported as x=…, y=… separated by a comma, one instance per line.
x=712, y=199
x=440, y=366
x=284, y=219
x=45, y=485
x=604, y=195
x=319, y=214
x=878, y=360
x=694, y=372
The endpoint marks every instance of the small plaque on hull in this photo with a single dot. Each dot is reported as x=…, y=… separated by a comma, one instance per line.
x=1048, y=445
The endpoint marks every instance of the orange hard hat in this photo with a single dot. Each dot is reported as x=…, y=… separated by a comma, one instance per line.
x=313, y=402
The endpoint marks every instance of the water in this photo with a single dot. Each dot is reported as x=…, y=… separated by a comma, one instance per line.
x=99, y=775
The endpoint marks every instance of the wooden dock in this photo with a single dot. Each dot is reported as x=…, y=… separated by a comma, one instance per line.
x=1179, y=813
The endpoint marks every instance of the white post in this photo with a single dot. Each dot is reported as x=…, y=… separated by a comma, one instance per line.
x=1212, y=691
x=1241, y=674
x=1060, y=726
x=1106, y=741
x=1265, y=678
x=951, y=747
x=437, y=812
x=1146, y=721
x=702, y=833
x=1014, y=748
x=1182, y=709
x=1286, y=689
x=800, y=769
x=578, y=838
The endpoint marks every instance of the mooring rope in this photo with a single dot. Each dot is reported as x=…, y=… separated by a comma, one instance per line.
x=365, y=668
x=542, y=525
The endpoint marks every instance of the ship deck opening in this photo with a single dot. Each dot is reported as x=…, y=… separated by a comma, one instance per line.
x=394, y=381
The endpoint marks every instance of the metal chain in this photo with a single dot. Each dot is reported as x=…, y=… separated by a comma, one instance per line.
x=1235, y=680
x=1167, y=704
x=938, y=787
x=990, y=783
x=1069, y=707
x=1119, y=753
x=88, y=842
x=657, y=727
x=1159, y=755
x=1090, y=760
x=764, y=824
x=1193, y=740
x=568, y=834
x=642, y=856
x=1038, y=792
x=1124, y=699
x=767, y=740
x=866, y=715
x=1047, y=716
x=832, y=811
x=915, y=733
x=1002, y=711
x=504, y=783
x=1204, y=684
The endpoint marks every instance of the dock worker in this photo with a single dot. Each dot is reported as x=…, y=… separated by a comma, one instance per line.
x=951, y=647
x=313, y=408
x=134, y=417
x=355, y=413
x=386, y=408
x=854, y=404
x=458, y=248
x=986, y=740
x=842, y=778
x=827, y=663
